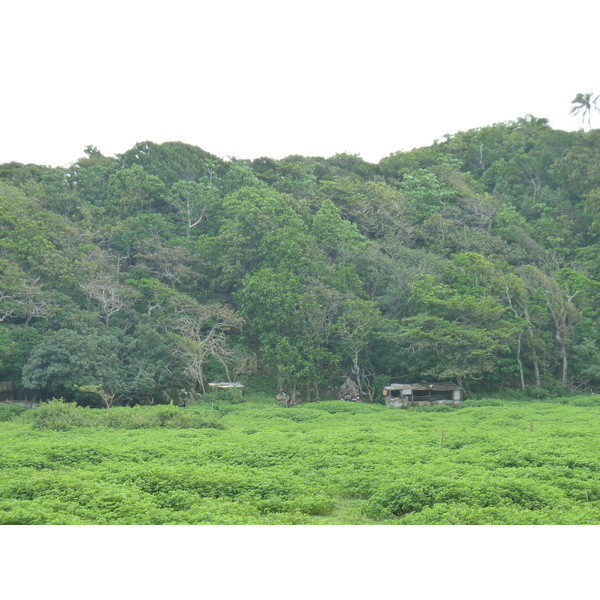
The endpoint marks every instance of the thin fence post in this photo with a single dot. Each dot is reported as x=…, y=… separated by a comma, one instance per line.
x=442, y=439
x=531, y=426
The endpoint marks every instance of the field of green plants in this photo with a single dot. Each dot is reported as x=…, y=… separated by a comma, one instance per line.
x=333, y=462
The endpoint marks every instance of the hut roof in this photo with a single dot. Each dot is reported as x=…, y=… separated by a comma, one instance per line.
x=226, y=384
x=440, y=386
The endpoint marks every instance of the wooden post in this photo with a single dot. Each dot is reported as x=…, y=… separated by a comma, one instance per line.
x=531, y=426
x=442, y=439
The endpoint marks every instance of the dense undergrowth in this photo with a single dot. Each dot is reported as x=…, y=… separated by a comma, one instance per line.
x=501, y=462
x=62, y=416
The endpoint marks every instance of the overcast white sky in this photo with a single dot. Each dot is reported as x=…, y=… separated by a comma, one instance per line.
x=273, y=78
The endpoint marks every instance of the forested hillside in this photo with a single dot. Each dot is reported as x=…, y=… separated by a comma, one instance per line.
x=128, y=279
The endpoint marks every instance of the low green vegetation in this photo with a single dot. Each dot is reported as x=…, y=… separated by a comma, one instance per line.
x=62, y=416
x=331, y=462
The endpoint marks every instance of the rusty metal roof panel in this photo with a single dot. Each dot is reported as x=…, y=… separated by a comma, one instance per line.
x=405, y=386
x=444, y=386
x=441, y=386
x=226, y=384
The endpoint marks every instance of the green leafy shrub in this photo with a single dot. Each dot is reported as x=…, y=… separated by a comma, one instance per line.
x=465, y=514
x=62, y=416
x=477, y=403
x=538, y=393
x=584, y=401
x=341, y=406
x=168, y=416
x=413, y=496
x=27, y=512
x=173, y=417
x=59, y=415
x=379, y=382
x=434, y=408
x=313, y=504
x=227, y=396
x=10, y=411
x=298, y=415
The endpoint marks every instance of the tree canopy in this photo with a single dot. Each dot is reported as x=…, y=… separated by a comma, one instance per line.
x=133, y=277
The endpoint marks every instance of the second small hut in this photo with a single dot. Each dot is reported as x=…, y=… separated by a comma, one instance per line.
x=403, y=395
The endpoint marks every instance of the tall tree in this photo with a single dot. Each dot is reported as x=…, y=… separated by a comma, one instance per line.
x=66, y=359
x=531, y=126
x=110, y=295
x=359, y=322
x=463, y=323
x=258, y=227
x=585, y=104
x=192, y=200
x=561, y=312
x=291, y=317
x=202, y=336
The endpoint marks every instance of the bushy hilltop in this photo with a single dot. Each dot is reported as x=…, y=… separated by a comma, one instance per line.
x=127, y=279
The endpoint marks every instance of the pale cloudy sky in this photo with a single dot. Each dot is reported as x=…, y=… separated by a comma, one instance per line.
x=273, y=78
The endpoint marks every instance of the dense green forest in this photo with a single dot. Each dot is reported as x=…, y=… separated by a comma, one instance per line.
x=139, y=278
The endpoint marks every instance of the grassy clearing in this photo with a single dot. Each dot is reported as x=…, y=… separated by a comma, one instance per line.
x=323, y=463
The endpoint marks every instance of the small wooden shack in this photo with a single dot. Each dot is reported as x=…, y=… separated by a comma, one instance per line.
x=403, y=395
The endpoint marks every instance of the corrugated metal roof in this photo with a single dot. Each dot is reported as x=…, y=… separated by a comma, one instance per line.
x=226, y=384
x=441, y=386
x=405, y=386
